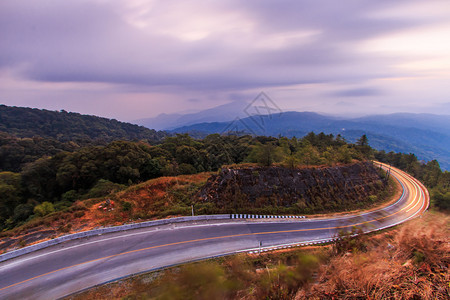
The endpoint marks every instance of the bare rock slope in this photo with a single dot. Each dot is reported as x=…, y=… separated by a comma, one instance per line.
x=306, y=190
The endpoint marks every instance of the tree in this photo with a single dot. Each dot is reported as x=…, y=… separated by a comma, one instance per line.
x=150, y=169
x=363, y=146
x=190, y=155
x=363, y=141
x=441, y=200
x=432, y=173
x=266, y=154
x=186, y=169
x=309, y=155
x=67, y=176
x=40, y=178
x=22, y=212
x=344, y=155
x=9, y=195
x=291, y=161
x=330, y=155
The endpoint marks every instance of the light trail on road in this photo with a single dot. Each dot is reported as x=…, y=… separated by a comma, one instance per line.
x=79, y=264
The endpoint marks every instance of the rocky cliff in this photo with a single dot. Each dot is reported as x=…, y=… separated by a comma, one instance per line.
x=306, y=190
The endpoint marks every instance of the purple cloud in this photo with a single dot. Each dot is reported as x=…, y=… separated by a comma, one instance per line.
x=204, y=47
x=361, y=92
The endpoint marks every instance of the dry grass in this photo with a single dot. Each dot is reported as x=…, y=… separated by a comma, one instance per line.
x=410, y=263
x=157, y=198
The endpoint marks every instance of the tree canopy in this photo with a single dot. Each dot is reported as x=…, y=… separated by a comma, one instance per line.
x=48, y=170
x=66, y=126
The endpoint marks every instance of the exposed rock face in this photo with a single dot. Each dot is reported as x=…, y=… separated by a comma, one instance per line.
x=308, y=189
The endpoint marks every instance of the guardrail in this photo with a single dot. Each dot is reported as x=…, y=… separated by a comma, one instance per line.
x=101, y=231
x=113, y=229
x=247, y=216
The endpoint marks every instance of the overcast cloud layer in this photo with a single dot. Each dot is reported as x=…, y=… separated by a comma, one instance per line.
x=138, y=58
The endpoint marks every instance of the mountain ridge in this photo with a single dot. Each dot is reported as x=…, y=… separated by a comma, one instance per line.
x=400, y=132
x=24, y=122
x=222, y=112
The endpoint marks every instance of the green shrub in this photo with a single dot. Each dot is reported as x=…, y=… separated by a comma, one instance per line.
x=126, y=206
x=186, y=169
x=21, y=213
x=419, y=257
x=44, y=209
x=71, y=195
x=103, y=188
x=61, y=205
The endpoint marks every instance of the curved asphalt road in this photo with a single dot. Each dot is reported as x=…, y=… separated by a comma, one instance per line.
x=75, y=265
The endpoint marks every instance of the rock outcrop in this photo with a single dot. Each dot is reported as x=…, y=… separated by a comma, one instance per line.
x=312, y=189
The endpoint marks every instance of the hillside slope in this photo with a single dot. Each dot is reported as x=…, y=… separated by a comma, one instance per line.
x=66, y=126
x=316, y=190
x=271, y=190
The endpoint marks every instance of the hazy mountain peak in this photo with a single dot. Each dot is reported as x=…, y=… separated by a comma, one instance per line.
x=221, y=113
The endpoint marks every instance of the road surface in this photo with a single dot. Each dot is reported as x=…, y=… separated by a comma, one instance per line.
x=63, y=269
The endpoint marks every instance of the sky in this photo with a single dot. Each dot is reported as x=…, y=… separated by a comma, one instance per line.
x=132, y=59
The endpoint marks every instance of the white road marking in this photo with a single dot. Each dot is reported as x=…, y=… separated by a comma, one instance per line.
x=153, y=229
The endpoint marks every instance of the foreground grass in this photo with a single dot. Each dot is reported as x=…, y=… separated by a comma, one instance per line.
x=410, y=262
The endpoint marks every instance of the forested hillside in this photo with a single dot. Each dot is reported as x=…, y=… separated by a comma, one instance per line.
x=61, y=178
x=16, y=152
x=67, y=126
x=50, y=159
x=54, y=181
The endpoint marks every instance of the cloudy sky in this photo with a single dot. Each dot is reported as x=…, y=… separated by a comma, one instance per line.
x=132, y=59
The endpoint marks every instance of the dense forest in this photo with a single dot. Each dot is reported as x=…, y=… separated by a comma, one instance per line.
x=53, y=182
x=65, y=126
x=59, y=179
x=16, y=152
x=27, y=134
x=50, y=159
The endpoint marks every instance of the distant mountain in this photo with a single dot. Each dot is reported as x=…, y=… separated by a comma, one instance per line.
x=220, y=113
x=66, y=126
x=427, y=136
x=438, y=123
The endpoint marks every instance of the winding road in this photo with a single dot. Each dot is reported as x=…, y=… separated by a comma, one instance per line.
x=75, y=265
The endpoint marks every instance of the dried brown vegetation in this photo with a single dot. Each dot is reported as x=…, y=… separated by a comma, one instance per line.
x=410, y=263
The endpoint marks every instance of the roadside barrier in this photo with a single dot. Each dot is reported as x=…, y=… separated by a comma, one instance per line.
x=104, y=230
x=290, y=245
x=247, y=216
x=100, y=231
